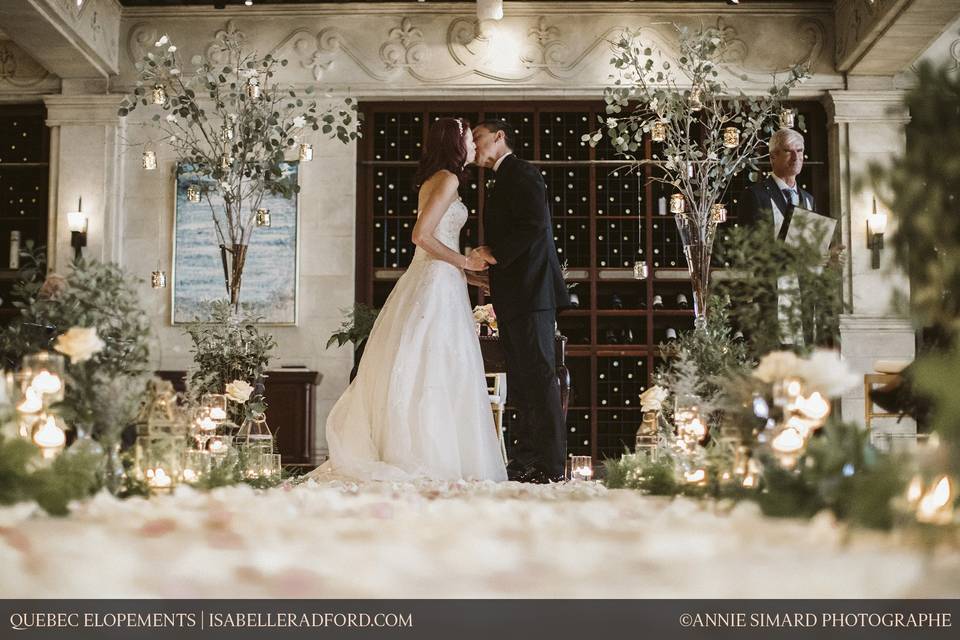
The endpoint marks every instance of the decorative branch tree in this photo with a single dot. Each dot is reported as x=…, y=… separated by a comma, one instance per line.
x=708, y=133
x=232, y=125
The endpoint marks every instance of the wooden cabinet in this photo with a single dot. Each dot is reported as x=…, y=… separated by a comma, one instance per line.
x=291, y=414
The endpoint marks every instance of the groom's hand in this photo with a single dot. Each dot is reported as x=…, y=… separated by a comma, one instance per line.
x=484, y=254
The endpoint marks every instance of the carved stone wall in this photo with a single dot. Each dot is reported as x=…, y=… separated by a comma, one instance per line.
x=21, y=75
x=561, y=49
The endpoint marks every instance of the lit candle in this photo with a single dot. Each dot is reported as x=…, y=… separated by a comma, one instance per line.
x=749, y=481
x=46, y=382
x=935, y=507
x=32, y=402
x=218, y=413
x=159, y=479
x=216, y=445
x=658, y=132
x=49, y=437
x=189, y=475
x=814, y=406
x=731, y=137
x=788, y=441
x=915, y=490
x=206, y=423
x=695, y=477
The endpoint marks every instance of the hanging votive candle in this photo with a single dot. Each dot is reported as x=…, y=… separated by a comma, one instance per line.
x=678, y=203
x=226, y=161
x=159, y=94
x=640, y=270
x=306, y=152
x=149, y=160
x=787, y=118
x=49, y=434
x=193, y=193
x=158, y=279
x=731, y=137
x=658, y=131
x=253, y=88
x=718, y=213
x=696, y=99
x=787, y=446
x=263, y=217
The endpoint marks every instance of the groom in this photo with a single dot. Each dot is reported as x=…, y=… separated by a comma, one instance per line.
x=527, y=288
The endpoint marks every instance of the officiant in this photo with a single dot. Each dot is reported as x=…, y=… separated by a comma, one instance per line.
x=771, y=202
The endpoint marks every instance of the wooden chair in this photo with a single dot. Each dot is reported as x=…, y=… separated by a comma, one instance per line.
x=871, y=381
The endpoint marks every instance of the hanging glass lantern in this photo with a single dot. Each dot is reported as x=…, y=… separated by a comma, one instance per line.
x=158, y=279
x=149, y=161
x=640, y=270
x=42, y=376
x=226, y=132
x=193, y=193
x=306, y=152
x=696, y=99
x=159, y=94
x=718, y=213
x=253, y=88
x=658, y=132
x=263, y=217
x=226, y=161
x=787, y=118
x=731, y=137
x=677, y=203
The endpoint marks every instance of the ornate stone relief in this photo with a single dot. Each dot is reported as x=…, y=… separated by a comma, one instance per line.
x=437, y=50
x=17, y=69
x=853, y=19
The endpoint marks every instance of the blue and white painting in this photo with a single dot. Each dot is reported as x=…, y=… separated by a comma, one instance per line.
x=269, y=286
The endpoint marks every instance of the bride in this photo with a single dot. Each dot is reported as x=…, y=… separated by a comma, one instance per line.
x=418, y=407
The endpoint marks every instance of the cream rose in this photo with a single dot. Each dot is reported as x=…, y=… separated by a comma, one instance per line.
x=239, y=391
x=79, y=343
x=652, y=399
x=778, y=365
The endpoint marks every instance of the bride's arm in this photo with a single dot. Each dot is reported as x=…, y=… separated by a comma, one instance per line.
x=440, y=194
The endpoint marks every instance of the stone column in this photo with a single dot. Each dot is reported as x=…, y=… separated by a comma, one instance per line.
x=85, y=162
x=867, y=127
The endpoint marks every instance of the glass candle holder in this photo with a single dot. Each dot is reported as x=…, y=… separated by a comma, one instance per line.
x=196, y=465
x=42, y=373
x=731, y=137
x=306, y=152
x=658, y=131
x=253, y=463
x=216, y=406
x=718, y=213
x=272, y=465
x=49, y=435
x=580, y=468
x=677, y=203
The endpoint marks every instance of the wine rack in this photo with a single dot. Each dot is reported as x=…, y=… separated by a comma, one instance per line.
x=605, y=218
x=24, y=186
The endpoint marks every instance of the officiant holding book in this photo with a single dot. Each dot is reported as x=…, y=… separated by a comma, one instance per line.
x=772, y=203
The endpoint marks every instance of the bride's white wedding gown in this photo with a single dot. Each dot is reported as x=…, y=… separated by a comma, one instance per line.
x=418, y=407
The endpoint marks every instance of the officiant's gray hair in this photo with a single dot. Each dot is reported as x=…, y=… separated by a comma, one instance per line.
x=783, y=137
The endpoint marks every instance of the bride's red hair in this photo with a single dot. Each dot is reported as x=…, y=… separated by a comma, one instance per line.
x=446, y=148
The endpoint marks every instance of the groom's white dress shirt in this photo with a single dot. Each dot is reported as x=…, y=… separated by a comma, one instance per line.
x=496, y=165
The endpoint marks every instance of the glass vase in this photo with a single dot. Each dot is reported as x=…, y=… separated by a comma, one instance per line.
x=255, y=434
x=113, y=473
x=697, y=235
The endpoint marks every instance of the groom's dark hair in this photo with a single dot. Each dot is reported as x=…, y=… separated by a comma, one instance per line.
x=500, y=125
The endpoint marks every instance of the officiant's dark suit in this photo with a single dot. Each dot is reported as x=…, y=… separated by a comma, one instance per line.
x=527, y=288
x=758, y=201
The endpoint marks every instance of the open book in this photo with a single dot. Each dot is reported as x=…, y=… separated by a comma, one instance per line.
x=813, y=227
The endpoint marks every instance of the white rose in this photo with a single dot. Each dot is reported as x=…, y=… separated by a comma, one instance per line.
x=778, y=365
x=825, y=371
x=652, y=399
x=299, y=121
x=162, y=41
x=171, y=118
x=239, y=391
x=79, y=343
x=171, y=49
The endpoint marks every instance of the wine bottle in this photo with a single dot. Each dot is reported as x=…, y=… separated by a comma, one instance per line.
x=671, y=334
x=657, y=302
x=14, y=261
x=616, y=302
x=610, y=337
x=682, y=301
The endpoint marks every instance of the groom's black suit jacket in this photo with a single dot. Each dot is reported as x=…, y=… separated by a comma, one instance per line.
x=519, y=231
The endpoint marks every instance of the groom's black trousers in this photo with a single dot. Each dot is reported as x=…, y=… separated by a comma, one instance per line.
x=534, y=391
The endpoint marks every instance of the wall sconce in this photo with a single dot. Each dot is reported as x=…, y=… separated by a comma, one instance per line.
x=77, y=221
x=489, y=9
x=876, y=227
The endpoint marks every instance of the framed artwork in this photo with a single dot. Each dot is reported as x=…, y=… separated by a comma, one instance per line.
x=270, y=274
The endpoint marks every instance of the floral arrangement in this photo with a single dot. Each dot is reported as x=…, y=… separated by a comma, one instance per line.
x=233, y=126
x=708, y=133
x=485, y=316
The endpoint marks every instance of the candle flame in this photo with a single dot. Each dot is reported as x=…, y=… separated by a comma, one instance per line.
x=46, y=382
x=814, y=406
x=695, y=476
x=915, y=490
x=160, y=479
x=934, y=506
x=49, y=435
x=32, y=403
x=788, y=441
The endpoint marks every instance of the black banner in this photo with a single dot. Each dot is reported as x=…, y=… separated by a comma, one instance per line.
x=478, y=619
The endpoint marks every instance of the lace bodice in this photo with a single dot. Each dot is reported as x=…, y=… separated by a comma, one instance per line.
x=448, y=230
